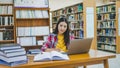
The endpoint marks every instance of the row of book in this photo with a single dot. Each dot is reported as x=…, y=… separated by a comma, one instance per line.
x=26, y=41
x=6, y=35
x=69, y=10
x=74, y=17
x=32, y=31
x=6, y=10
x=55, y=19
x=6, y=20
x=79, y=16
x=106, y=32
x=31, y=3
x=106, y=1
x=12, y=54
x=32, y=14
x=106, y=40
x=106, y=24
x=74, y=9
x=54, y=25
x=107, y=47
x=78, y=33
x=30, y=41
x=109, y=8
x=78, y=24
x=106, y=16
x=6, y=1
x=71, y=17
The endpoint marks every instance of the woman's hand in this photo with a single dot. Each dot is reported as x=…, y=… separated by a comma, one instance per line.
x=52, y=49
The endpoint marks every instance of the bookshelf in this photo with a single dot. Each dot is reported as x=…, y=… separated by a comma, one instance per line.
x=74, y=14
x=32, y=23
x=7, y=27
x=107, y=27
x=77, y=15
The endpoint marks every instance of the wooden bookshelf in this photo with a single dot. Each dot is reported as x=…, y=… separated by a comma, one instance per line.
x=77, y=16
x=29, y=23
x=107, y=27
x=7, y=27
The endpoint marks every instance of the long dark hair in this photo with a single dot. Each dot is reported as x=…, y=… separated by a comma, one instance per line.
x=66, y=33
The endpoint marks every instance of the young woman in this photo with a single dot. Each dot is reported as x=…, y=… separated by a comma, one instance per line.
x=59, y=40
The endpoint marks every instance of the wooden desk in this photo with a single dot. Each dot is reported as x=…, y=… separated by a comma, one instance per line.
x=93, y=57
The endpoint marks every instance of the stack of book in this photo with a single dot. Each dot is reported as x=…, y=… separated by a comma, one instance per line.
x=12, y=55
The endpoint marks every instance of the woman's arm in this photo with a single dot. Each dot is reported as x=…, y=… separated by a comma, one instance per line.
x=47, y=44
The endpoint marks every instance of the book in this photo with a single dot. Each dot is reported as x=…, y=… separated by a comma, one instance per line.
x=12, y=52
x=31, y=3
x=33, y=51
x=6, y=1
x=13, y=63
x=53, y=55
x=9, y=46
x=13, y=59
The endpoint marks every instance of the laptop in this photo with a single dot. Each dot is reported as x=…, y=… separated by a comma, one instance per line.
x=78, y=46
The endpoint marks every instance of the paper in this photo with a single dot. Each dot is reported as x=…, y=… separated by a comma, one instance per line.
x=90, y=22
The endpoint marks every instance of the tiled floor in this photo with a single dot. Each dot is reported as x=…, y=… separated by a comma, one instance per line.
x=113, y=63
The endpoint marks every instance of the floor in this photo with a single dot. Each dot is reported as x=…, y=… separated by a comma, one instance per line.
x=113, y=63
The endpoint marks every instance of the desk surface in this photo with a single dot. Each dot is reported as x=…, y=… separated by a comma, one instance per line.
x=93, y=56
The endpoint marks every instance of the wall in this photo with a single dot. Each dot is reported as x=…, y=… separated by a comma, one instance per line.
x=57, y=4
x=99, y=2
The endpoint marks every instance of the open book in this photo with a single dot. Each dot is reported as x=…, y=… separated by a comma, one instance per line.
x=53, y=55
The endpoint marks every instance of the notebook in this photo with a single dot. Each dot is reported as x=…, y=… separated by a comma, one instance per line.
x=78, y=46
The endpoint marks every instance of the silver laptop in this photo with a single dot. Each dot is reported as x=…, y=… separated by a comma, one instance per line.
x=78, y=46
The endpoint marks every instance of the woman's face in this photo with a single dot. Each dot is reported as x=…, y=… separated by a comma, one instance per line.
x=62, y=27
